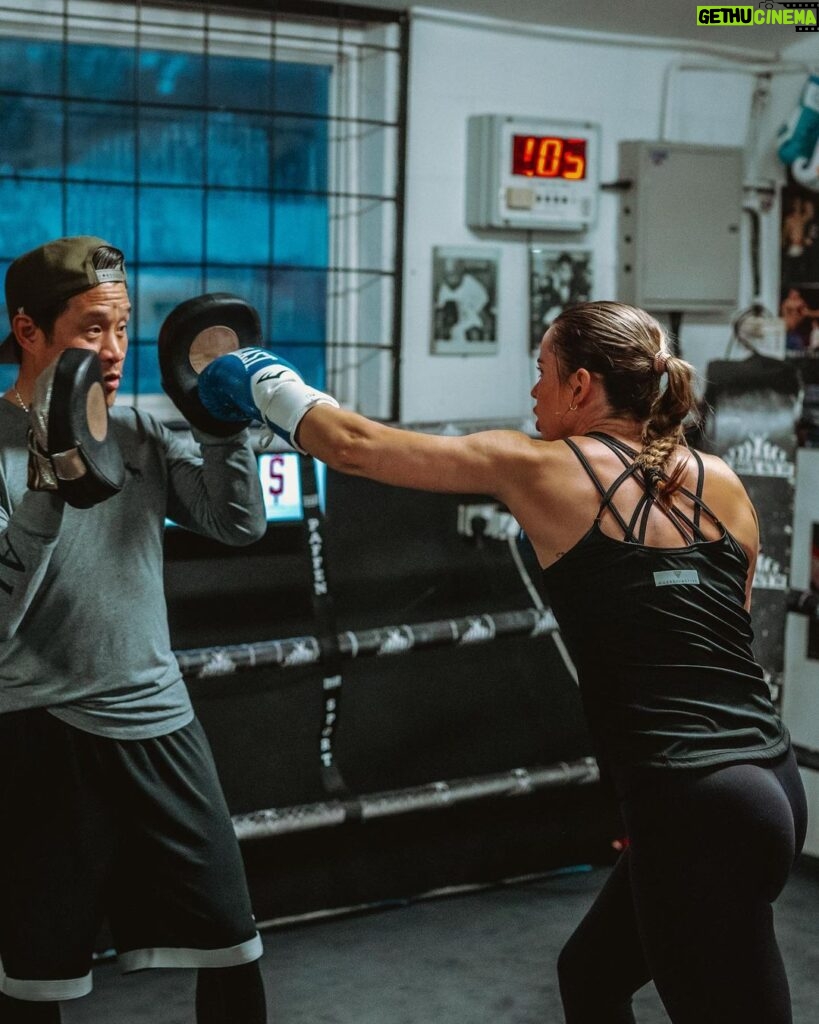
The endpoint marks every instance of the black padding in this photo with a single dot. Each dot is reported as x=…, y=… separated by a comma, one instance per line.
x=180, y=331
x=751, y=408
x=78, y=420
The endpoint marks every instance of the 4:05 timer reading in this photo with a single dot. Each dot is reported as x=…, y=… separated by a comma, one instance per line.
x=549, y=156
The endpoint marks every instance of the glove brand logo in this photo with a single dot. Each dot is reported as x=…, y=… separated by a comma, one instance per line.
x=759, y=456
x=803, y=16
x=274, y=376
x=251, y=356
x=769, y=575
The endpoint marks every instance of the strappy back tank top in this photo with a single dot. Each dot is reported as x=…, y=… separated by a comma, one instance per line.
x=660, y=636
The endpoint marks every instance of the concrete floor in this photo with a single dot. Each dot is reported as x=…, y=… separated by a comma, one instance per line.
x=482, y=957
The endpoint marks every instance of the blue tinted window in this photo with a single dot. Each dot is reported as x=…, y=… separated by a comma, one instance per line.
x=170, y=225
x=32, y=134
x=142, y=365
x=167, y=77
x=238, y=227
x=194, y=165
x=29, y=213
x=171, y=146
x=162, y=288
x=299, y=305
x=301, y=88
x=233, y=82
x=100, y=142
x=300, y=230
x=104, y=210
x=239, y=150
x=299, y=154
x=101, y=72
x=29, y=66
x=250, y=283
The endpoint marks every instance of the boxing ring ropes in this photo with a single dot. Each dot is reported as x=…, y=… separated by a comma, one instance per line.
x=389, y=641
x=397, y=640
x=331, y=648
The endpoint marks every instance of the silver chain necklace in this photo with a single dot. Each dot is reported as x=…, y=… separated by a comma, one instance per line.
x=20, y=401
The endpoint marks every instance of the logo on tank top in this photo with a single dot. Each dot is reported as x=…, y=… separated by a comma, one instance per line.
x=768, y=574
x=758, y=456
x=676, y=578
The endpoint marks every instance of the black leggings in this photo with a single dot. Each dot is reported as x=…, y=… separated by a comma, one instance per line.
x=688, y=905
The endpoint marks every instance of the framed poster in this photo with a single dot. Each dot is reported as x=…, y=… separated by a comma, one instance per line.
x=799, y=269
x=464, y=301
x=558, y=277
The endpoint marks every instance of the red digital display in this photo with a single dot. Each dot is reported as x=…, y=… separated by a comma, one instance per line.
x=549, y=156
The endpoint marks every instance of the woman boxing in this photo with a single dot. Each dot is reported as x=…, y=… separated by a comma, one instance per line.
x=648, y=551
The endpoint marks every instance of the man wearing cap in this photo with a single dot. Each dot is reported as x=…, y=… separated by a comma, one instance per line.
x=111, y=802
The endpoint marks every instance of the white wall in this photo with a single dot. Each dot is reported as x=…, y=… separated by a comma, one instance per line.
x=461, y=67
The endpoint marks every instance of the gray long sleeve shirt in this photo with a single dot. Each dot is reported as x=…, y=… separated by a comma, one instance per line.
x=83, y=620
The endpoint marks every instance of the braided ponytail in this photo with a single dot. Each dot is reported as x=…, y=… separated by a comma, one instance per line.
x=663, y=430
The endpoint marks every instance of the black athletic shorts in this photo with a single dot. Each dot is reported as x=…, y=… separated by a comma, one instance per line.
x=135, y=831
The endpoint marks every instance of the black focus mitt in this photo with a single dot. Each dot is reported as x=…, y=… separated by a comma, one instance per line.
x=71, y=449
x=192, y=336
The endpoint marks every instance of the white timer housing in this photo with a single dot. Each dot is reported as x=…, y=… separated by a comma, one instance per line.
x=530, y=172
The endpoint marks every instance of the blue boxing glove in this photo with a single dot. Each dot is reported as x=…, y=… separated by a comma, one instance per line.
x=252, y=383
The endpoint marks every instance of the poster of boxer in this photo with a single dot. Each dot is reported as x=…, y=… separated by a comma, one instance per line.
x=799, y=269
x=799, y=298
x=558, y=277
x=464, y=301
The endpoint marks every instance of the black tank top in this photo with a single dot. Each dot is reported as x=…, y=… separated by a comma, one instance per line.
x=661, y=638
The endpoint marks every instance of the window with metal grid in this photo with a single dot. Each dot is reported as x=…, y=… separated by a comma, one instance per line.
x=249, y=152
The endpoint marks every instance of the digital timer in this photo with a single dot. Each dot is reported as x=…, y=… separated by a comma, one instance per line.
x=531, y=173
x=549, y=156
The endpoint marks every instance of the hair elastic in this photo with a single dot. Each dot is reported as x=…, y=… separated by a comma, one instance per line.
x=660, y=359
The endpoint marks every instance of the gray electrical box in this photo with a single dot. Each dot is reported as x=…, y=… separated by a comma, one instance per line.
x=678, y=231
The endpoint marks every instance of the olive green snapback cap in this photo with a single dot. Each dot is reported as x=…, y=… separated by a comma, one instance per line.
x=53, y=272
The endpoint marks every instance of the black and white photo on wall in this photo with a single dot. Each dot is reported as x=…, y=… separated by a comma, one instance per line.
x=558, y=277
x=464, y=300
